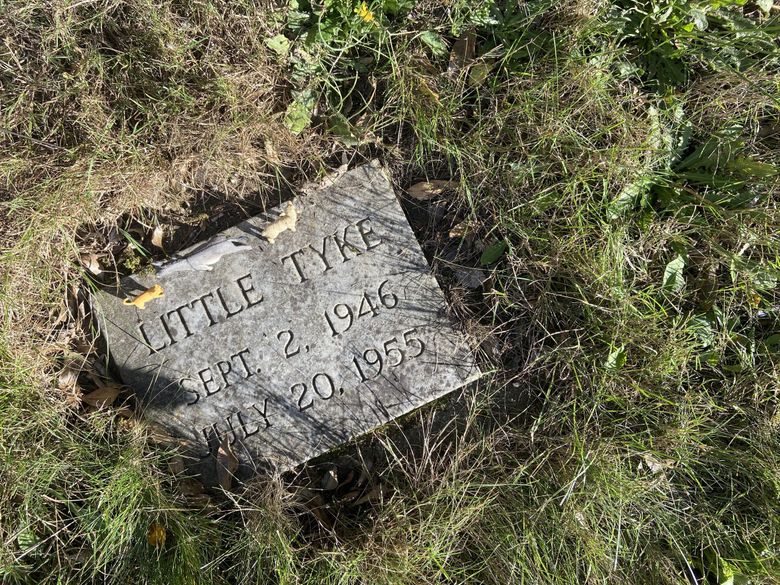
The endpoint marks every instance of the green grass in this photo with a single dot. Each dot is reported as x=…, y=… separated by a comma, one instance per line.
x=627, y=152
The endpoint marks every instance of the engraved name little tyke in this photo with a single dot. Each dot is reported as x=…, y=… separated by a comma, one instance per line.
x=222, y=303
x=244, y=294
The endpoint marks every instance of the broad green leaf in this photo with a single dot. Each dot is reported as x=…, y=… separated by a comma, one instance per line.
x=27, y=540
x=391, y=6
x=699, y=18
x=702, y=328
x=674, y=280
x=765, y=5
x=629, y=197
x=711, y=358
x=773, y=340
x=298, y=114
x=341, y=127
x=763, y=278
x=716, y=150
x=478, y=73
x=754, y=168
x=279, y=44
x=296, y=20
x=616, y=359
x=493, y=253
x=435, y=43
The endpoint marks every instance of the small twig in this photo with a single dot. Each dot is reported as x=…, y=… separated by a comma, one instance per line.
x=31, y=139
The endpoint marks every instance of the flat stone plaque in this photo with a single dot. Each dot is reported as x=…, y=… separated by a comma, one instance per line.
x=291, y=348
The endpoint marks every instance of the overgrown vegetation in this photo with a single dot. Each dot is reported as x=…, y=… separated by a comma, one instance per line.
x=621, y=162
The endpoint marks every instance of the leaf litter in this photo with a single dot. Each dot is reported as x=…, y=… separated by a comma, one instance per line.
x=425, y=190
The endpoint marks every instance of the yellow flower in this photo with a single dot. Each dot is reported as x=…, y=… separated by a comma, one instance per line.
x=363, y=12
x=156, y=535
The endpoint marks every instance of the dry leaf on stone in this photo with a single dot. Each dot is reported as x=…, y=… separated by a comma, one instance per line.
x=157, y=237
x=102, y=397
x=426, y=190
x=154, y=292
x=90, y=261
x=286, y=221
x=227, y=464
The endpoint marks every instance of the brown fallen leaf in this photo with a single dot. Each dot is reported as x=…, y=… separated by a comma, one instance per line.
x=156, y=535
x=426, y=89
x=176, y=464
x=124, y=412
x=90, y=260
x=191, y=487
x=426, y=190
x=102, y=397
x=318, y=510
x=151, y=293
x=68, y=378
x=372, y=495
x=462, y=52
x=157, y=237
x=470, y=277
x=462, y=229
x=330, y=479
x=227, y=464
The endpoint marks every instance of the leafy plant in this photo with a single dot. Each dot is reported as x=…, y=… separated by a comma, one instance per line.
x=670, y=39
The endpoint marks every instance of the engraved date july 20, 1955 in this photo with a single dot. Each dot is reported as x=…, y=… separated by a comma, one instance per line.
x=368, y=365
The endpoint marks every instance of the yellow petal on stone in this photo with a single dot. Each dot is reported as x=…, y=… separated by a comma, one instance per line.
x=154, y=292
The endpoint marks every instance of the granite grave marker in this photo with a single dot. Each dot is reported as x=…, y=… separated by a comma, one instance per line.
x=293, y=347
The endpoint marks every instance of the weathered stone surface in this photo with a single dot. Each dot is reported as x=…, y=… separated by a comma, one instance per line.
x=293, y=348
